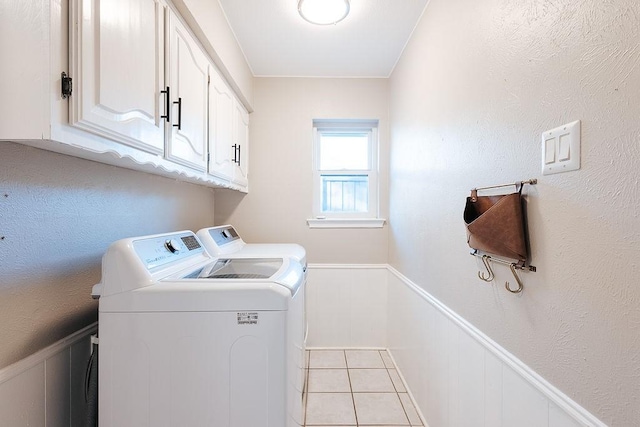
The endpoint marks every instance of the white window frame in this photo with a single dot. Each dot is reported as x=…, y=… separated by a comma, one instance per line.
x=368, y=219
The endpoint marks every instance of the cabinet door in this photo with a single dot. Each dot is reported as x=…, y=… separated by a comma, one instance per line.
x=189, y=77
x=117, y=54
x=241, y=139
x=221, y=109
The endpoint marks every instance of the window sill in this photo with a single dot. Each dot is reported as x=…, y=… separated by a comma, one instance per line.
x=346, y=223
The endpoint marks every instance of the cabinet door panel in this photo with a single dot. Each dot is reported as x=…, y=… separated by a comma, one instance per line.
x=220, y=128
x=189, y=82
x=118, y=56
x=241, y=137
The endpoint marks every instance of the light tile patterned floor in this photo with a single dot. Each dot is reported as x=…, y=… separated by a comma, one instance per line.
x=356, y=388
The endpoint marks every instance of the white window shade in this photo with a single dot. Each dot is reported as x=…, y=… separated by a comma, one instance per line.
x=344, y=151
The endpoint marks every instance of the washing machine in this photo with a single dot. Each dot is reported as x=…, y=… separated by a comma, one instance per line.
x=189, y=339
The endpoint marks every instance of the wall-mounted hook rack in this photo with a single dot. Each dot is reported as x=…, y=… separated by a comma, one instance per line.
x=532, y=181
x=474, y=191
x=513, y=266
x=491, y=221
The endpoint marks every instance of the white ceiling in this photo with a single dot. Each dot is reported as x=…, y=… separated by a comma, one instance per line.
x=277, y=42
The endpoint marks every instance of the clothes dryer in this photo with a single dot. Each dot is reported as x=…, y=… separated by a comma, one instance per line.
x=225, y=240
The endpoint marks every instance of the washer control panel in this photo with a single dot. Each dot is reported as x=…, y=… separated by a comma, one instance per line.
x=161, y=250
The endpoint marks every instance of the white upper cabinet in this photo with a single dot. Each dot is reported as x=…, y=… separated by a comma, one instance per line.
x=140, y=99
x=117, y=60
x=221, y=114
x=228, y=134
x=241, y=142
x=189, y=80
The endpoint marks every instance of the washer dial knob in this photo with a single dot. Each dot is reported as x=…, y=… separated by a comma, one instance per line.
x=172, y=245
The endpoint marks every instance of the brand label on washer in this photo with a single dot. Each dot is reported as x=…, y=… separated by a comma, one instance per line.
x=248, y=318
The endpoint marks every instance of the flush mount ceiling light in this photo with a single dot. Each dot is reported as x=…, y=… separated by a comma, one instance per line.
x=323, y=12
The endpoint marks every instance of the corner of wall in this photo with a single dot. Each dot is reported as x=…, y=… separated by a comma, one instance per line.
x=208, y=21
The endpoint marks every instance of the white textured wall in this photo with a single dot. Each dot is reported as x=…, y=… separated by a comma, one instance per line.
x=280, y=190
x=475, y=88
x=58, y=214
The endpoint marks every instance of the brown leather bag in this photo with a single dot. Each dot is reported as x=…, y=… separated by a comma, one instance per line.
x=495, y=224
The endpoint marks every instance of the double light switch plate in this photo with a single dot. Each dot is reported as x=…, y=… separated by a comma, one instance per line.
x=561, y=149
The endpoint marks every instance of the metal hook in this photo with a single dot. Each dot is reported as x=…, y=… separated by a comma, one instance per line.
x=520, y=286
x=481, y=275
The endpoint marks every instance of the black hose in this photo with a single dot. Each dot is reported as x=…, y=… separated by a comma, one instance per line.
x=91, y=389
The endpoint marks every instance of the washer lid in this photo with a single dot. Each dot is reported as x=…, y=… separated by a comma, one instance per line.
x=238, y=272
x=250, y=268
x=217, y=286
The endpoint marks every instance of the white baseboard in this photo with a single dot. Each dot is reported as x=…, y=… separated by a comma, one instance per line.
x=408, y=389
x=349, y=266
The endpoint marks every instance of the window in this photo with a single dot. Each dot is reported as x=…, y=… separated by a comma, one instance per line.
x=345, y=170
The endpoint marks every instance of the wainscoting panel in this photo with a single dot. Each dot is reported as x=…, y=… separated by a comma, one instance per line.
x=46, y=389
x=456, y=375
x=22, y=398
x=80, y=354
x=346, y=306
x=459, y=377
x=57, y=386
